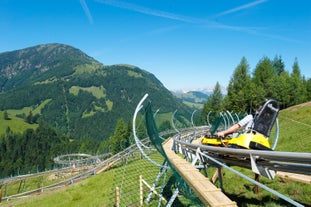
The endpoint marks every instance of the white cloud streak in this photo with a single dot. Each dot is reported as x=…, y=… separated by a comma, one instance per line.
x=245, y=6
x=204, y=22
x=151, y=12
x=86, y=11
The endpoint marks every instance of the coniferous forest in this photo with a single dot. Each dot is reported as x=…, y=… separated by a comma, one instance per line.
x=247, y=89
x=33, y=150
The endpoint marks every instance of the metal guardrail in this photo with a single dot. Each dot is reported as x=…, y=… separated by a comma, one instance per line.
x=294, y=162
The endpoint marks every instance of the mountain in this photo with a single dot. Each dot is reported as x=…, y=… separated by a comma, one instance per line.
x=76, y=94
x=192, y=96
x=206, y=90
x=193, y=99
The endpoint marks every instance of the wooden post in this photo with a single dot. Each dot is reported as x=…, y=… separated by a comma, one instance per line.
x=20, y=185
x=217, y=174
x=256, y=188
x=42, y=178
x=0, y=195
x=117, y=197
x=39, y=186
x=141, y=191
x=220, y=174
x=5, y=190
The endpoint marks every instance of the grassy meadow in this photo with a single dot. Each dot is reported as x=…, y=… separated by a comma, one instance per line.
x=14, y=123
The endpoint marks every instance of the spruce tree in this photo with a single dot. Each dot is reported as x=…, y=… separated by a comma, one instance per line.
x=240, y=89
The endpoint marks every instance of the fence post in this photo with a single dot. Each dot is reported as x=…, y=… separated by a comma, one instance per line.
x=117, y=198
x=0, y=195
x=141, y=191
x=39, y=186
x=256, y=188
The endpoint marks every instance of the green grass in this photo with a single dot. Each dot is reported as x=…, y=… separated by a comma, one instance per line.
x=51, y=80
x=16, y=124
x=160, y=118
x=295, y=129
x=242, y=191
x=194, y=105
x=134, y=74
x=88, y=68
x=94, y=191
x=109, y=105
x=97, y=92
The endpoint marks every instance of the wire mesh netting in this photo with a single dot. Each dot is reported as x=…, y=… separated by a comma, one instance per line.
x=135, y=177
x=140, y=182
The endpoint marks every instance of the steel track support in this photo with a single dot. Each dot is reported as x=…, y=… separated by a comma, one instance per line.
x=162, y=171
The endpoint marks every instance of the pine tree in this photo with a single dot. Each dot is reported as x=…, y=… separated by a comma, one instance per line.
x=264, y=76
x=297, y=90
x=240, y=89
x=6, y=116
x=278, y=65
x=119, y=139
x=213, y=104
x=308, y=89
x=29, y=118
x=282, y=84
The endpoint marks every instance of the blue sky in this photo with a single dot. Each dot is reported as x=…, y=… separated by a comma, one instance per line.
x=186, y=44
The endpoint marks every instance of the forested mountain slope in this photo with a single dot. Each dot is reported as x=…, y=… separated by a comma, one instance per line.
x=77, y=95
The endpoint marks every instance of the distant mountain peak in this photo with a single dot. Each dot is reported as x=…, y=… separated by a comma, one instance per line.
x=206, y=90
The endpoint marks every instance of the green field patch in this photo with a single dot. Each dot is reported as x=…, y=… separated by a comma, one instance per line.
x=51, y=80
x=38, y=109
x=88, y=68
x=91, y=113
x=127, y=65
x=88, y=114
x=26, y=110
x=109, y=105
x=160, y=118
x=134, y=74
x=194, y=105
x=15, y=124
x=98, y=92
x=98, y=108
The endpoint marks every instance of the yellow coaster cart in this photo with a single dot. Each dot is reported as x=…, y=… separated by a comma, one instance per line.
x=257, y=137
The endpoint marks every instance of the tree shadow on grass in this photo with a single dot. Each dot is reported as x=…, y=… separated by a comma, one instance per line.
x=184, y=198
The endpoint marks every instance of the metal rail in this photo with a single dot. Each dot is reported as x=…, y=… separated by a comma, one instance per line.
x=261, y=162
x=294, y=162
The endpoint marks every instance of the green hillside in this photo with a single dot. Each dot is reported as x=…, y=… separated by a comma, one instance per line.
x=295, y=128
x=295, y=131
x=75, y=94
x=193, y=99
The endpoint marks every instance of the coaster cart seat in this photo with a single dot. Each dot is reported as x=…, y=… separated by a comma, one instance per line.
x=257, y=136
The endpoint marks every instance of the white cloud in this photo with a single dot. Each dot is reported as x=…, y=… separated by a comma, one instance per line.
x=86, y=11
x=236, y=9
